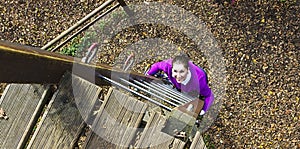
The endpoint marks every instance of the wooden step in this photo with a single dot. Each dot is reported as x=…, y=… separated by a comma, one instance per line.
x=153, y=138
x=117, y=121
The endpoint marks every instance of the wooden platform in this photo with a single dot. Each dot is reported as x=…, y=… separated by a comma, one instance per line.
x=63, y=120
x=23, y=104
x=198, y=142
x=116, y=123
x=153, y=138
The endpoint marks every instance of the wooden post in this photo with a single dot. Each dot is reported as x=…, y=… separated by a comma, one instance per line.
x=125, y=7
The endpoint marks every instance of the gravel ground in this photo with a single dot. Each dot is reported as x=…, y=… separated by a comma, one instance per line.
x=260, y=41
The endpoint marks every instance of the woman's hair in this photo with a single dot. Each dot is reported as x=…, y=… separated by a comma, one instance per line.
x=181, y=59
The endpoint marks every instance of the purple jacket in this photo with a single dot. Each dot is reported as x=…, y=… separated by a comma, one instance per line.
x=197, y=83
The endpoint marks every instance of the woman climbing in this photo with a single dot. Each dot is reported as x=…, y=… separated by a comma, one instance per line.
x=186, y=77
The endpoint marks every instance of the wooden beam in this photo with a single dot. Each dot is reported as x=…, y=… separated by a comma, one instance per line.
x=198, y=142
x=25, y=64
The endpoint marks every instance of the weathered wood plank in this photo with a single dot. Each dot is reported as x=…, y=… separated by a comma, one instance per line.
x=149, y=128
x=134, y=110
x=86, y=96
x=161, y=139
x=198, y=142
x=117, y=121
x=157, y=139
x=108, y=115
x=137, y=117
x=120, y=124
x=152, y=136
x=116, y=112
x=93, y=139
x=179, y=122
x=63, y=120
x=23, y=104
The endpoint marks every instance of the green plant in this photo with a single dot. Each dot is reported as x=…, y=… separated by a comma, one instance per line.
x=101, y=25
x=208, y=142
x=72, y=48
x=79, y=43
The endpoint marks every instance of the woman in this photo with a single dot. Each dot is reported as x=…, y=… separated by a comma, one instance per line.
x=186, y=77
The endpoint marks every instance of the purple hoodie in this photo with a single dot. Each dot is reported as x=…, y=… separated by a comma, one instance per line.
x=197, y=82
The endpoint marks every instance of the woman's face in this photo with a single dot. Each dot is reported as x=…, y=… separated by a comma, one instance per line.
x=179, y=72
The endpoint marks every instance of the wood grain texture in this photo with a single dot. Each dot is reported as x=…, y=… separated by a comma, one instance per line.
x=23, y=104
x=152, y=137
x=64, y=117
x=198, y=142
x=117, y=121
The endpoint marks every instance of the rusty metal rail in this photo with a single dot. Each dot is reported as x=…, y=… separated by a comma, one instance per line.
x=84, y=20
x=25, y=64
